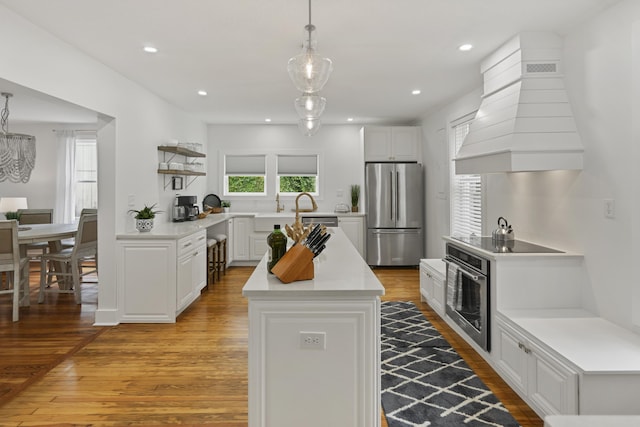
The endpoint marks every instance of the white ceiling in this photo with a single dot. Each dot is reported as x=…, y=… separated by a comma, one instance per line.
x=237, y=50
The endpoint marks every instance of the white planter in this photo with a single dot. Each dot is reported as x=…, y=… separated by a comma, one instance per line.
x=144, y=224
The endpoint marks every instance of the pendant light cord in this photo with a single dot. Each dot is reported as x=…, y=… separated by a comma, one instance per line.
x=309, y=27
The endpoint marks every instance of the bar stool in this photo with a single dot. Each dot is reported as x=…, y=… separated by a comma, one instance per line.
x=221, y=265
x=212, y=261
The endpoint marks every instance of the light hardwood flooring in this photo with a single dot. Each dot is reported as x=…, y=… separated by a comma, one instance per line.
x=56, y=369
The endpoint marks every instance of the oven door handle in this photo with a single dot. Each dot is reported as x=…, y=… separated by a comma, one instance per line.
x=473, y=276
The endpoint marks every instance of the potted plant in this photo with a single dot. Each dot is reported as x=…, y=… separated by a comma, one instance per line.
x=144, y=217
x=12, y=215
x=225, y=204
x=355, y=197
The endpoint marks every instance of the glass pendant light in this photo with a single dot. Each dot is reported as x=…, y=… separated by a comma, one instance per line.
x=310, y=106
x=309, y=126
x=308, y=70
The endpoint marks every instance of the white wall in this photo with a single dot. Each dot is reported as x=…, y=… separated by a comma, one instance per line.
x=342, y=161
x=133, y=122
x=40, y=191
x=436, y=134
x=565, y=208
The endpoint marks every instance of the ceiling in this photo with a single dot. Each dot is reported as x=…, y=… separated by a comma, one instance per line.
x=237, y=50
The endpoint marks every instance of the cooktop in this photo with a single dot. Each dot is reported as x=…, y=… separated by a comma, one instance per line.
x=510, y=246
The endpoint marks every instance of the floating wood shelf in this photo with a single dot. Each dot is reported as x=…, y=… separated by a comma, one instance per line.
x=180, y=150
x=182, y=172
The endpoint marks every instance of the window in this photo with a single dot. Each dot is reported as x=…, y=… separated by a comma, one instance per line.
x=465, y=190
x=297, y=173
x=244, y=174
x=86, y=174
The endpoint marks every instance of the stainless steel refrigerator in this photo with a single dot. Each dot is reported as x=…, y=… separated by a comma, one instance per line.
x=394, y=204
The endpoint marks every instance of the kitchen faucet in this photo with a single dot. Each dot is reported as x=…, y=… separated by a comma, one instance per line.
x=279, y=208
x=314, y=206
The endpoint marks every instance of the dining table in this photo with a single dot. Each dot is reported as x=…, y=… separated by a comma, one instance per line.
x=51, y=233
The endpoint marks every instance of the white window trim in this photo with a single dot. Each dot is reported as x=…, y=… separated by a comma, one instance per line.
x=271, y=176
x=477, y=228
x=317, y=176
x=225, y=177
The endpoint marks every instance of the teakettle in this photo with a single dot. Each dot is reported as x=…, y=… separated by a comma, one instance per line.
x=504, y=231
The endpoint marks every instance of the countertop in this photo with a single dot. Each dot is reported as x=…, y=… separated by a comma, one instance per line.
x=178, y=230
x=506, y=256
x=339, y=271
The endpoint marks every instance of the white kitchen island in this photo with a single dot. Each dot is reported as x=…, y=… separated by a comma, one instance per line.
x=314, y=345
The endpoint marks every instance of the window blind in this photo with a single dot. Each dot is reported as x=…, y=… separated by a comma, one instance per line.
x=466, y=192
x=245, y=164
x=298, y=165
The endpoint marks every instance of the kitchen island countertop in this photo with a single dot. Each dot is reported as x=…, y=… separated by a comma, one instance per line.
x=340, y=271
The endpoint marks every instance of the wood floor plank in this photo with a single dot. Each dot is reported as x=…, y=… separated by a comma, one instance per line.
x=69, y=373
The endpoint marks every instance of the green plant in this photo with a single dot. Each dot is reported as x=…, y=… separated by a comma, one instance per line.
x=225, y=203
x=355, y=194
x=12, y=215
x=145, y=213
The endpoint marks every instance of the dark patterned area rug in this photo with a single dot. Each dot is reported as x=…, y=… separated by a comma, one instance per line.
x=425, y=382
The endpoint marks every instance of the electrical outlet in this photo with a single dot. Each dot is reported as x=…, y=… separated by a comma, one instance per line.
x=609, y=208
x=131, y=200
x=340, y=192
x=313, y=340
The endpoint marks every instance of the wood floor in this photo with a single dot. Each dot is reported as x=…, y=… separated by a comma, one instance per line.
x=56, y=369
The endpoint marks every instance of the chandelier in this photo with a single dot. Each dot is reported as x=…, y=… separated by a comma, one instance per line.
x=17, y=151
x=309, y=73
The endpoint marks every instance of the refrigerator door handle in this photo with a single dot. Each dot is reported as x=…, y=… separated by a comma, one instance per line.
x=391, y=198
x=397, y=192
x=395, y=231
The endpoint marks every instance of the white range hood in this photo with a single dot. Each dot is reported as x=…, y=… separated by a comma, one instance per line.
x=524, y=122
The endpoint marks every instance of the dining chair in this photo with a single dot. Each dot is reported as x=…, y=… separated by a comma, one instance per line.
x=84, y=249
x=12, y=264
x=68, y=243
x=36, y=216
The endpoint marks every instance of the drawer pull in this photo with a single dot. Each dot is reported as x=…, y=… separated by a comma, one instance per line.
x=187, y=244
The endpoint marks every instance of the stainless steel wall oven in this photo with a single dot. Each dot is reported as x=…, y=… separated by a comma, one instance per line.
x=467, y=293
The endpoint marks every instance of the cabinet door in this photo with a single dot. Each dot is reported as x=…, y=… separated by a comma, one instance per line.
x=426, y=284
x=377, y=143
x=241, y=229
x=405, y=142
x=258, y=245
x=184, y=285
x=553, y=388
x=511, y=359
x=230, y=241
x=354, y=229
x=199, y=270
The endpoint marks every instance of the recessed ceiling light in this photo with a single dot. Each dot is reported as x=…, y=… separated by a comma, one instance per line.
x=465, y=47
x=150, y=49
x=415, y=92
x=349, y=119
x=202, y=92
x=267, y=120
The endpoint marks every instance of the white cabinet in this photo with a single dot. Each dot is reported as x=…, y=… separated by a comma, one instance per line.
x=230, y=241
x=353, y=227
x=159, y=278
x=258, y=245
x=432, y=284
x=341, y=372
x=242, y=229
x=391, y=143
x=191, y=269
x=548, y=385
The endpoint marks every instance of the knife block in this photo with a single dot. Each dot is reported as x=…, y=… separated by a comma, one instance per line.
x=295, y=264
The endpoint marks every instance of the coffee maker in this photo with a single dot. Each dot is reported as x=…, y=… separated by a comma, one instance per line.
x=185, y=208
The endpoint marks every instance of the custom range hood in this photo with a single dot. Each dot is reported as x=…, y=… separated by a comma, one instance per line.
x=524, y=122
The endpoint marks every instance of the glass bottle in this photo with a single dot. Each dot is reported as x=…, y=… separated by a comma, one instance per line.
x=277, y=242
